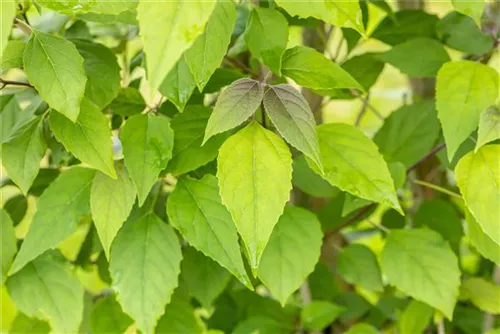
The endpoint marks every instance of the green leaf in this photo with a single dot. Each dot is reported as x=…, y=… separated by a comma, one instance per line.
x=345, y=152
x=481, y=241
x=409, y=133
x=195, y=209
x=145, y=265
x=12, y=56
x=167, y=30
x=204, y=278
x=290, y=113
x=59, y=209
x=9, y=244
x=102, y=70
x=463, y=90
x=8, y=14
x=23, y=324
x=489, y=126
x=107, y=317
x=478, y=177
x=179, y=84
x=266, y=36
x=128, y=102
x=254, y=169
x=432, y=55
x=362, y=328
x=147, y=147
x=473, y=9
x=358, y=265
x=47, y=289
x=55, y=68
x=485, y=295
x=189, y=129
x=89, y=138
x=421, y=264
x=209, y=49
x=234, y=106
x=311, y=69
x=415, y=318
x=304, y=178
x=297, y=238
x=319, y=314
x=179, y=317
x=22, y=152
x=111, y=201
x=365, y=69
x=262, y=325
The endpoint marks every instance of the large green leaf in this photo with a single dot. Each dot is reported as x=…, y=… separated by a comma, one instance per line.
x=478, y=177
x=409, y=133
x=481, y=241
x=464, y=89
x=346, y=152
x=89, y=138
x=55, y=68
x=415, y=318
x=107, y=317
x=291, y=253
x=234, y=106
x=195, y=209
x=472, y=8
x=358, y=265
x=489, y=126
x=365, y=69
x=47, y=289
x=8, y=14
x=485, y=295
x=59, y=209
x=290, y=113
x=254, y=173
x=421, y=264
x=147, y=147
x=111, y=201
x=168, y=28
x=267, y=36
x=145, y=265
x=179, y=84
x=311, y=69
x=22, y=152
x=207, y=52
x=9, y=244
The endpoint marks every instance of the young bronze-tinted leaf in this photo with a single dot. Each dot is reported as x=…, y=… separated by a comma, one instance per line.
x=291, y=253
x=55, y=68
x=195, y=209
x=431, y=56
x=128, y=102
x=290, y=113
x=9, y=246
x=107, y=317
x=311, y=69
x=489, y=126
x=168, y=28
x=47, y=289
x=254, y=169
x=409, y=133
x=59, y=209
x=415, y=317
x=12, y=56
x=145, y=265
x=319, y=314
x=111, y=201
x=7, y=14
x=234, y=106
x=22, y=152
x=267, y=36
x=358, y=265
x=179, y=84
x=189, y=129
x=478, y=177
x=481, y=241
x=208, y=50
x=147, y=147
x=420, y=263
x=345, y=153
x=464, y=89
x=89, y=138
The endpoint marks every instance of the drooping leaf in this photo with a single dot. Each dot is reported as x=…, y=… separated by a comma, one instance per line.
x=485, y=295
x=464, y=89
x=478, y=177
x=179, y=84
x=147, y=142
x=128, y=102
x=415, y=318
x=12, y=56
x=481, y=241
x=8, y=14
x=59, y=209
x=420, y=263
x=89, y=138
x=22, y=152
x=9, y=246
x=107, y=317
x=55, y=68
x=145, y=265
x=208, y=50
x=234, y=106
x=169, y=28
x=473, y=9
x=195, y=209
x=254, y=169
x=111, y=201
x=358, y=265
x=46, y=288
x=267, y=37
x=489, y=126
x=319, y=314
x=295, y=239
